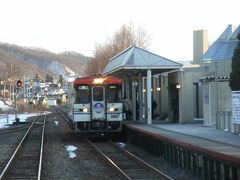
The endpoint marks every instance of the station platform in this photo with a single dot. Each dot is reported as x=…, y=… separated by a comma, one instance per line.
x=207, y=140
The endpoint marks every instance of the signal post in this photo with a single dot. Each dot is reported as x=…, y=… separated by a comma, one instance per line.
x=17, y=89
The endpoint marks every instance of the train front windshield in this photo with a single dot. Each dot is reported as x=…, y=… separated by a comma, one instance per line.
x=97, y=93
x=82, y=94
x=113, y=94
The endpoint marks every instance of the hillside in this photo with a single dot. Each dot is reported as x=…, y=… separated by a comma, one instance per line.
x=43, y=62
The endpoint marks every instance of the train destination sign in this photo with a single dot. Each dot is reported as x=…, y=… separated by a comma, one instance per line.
x=236, y=107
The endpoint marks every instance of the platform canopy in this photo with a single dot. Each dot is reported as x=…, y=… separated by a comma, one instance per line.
x=138, y=60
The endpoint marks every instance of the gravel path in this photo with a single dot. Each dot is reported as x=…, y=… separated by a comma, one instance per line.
x=58, y=165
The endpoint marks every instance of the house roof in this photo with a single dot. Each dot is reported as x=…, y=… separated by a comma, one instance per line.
x=135, y=58
x=223, y=47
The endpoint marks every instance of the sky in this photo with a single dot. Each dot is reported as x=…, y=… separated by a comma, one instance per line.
x=78, y=25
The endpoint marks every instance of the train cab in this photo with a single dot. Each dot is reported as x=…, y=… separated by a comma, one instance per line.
x=96, y=105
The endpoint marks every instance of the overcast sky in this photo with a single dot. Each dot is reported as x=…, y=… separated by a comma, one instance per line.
x=77, y=25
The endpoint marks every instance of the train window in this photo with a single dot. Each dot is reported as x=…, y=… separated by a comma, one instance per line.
x=113, y=93
x=83, y=87
x=98, y=93
x=82, y=94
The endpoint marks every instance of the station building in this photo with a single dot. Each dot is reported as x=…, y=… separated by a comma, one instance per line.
x=183, y=93
x=217, y=95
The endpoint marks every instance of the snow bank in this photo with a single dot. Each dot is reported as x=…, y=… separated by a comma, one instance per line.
x=4, y=106
x=8, y=119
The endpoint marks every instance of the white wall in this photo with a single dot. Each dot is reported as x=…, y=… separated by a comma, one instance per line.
x=187, y=98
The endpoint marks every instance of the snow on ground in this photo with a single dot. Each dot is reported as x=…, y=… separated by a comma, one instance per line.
x=56, y=123
x=121, y=144
x=4, y=106
x=8, y=119
x=71, y=151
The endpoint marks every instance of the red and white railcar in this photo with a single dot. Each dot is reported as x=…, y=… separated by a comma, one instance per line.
x=95, y=104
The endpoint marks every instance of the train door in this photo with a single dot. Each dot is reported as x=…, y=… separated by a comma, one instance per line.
x=98, y=103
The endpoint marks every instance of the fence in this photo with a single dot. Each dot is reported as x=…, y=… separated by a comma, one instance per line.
x=224, y=120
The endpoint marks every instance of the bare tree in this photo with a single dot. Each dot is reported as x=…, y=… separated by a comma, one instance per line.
x=92, y=67
x=126, y=36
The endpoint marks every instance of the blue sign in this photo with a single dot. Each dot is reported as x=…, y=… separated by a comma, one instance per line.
x=98, y=107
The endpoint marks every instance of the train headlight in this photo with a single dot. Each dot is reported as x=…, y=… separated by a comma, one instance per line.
x=111, y=109
x=98, y=81
x=85, y=110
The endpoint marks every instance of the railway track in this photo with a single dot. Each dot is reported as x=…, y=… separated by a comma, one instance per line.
x=127, y=164
x=26, y=161
x=12, y=130
x=63, y=114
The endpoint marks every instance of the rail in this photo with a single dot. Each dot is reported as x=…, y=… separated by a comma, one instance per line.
x=142, y=162
x=108, y=160
x=7, y=167
x=41, y=150
x=17, y=129
x=152, y=171
x=58, y=111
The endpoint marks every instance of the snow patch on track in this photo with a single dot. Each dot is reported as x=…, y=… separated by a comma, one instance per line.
x=71, y=151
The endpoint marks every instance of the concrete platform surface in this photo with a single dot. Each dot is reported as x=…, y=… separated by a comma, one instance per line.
x=195, y=136
x=201, y=131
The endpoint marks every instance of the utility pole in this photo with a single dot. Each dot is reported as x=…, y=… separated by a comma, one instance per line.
x=15, y=101
x=27, y=98
x=24, y=94
x=27, y=76
x=10, y=84
x=4, y=91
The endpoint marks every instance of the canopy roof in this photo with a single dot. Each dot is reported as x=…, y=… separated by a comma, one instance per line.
x=223, y=47
x=137, y=59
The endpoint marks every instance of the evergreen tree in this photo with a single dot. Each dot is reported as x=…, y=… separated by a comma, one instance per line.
x=51, y=79
x=48, y=78
x=60, y=80
x=235, y=74
x=37, y=78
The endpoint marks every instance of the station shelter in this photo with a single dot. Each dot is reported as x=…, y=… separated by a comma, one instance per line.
x=141, y=71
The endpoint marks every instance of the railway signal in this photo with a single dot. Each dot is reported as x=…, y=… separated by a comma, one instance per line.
x=17, y=90
x=19, y=83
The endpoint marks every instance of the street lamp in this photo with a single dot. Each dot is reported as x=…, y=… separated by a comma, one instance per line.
x=178, y=86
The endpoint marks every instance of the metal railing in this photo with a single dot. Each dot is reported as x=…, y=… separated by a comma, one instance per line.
x=224, y=119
